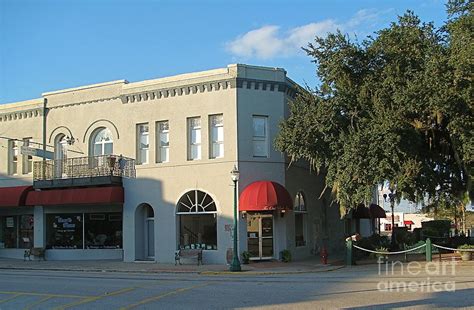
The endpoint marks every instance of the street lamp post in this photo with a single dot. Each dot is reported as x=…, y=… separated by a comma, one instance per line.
x=391, y=198
x=235, y=265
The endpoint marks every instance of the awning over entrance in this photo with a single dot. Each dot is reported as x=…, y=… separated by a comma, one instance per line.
x=373, y=211
x=76, y=196
x=264, y=196
x=408, y=222
x=376, y=211
x=14, y=196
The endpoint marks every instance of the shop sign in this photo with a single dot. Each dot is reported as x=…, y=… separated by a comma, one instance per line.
x=10, y=222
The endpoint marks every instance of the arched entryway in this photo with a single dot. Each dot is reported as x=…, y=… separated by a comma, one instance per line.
x=144, y=232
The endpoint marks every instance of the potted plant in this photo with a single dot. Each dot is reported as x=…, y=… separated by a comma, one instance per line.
x=285, y=256
x=382, y=256
x=466, y=255
x=245, y=257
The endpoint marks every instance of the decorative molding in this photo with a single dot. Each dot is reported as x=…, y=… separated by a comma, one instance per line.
x=18, y=115
x=100, y=123
x=243, y=83
x=60, y=130
x=181, y=90
x=84, y=102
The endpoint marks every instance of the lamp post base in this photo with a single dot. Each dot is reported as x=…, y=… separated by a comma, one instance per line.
x=235, y=265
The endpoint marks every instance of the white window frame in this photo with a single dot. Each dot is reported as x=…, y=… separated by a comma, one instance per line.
x=162, y=127
x=216, y=121
x=143, y=149
x=27, y=159
x=13, y=151
x=194, y=123
x=260, y=138
x=102, y=143
x=300, y=209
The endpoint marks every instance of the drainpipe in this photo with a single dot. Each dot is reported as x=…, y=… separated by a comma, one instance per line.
x=45, y=111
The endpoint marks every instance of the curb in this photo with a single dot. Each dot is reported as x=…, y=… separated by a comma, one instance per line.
x=178, y=271
x=268, y=272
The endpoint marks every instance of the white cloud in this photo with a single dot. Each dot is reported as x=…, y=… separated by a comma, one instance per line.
x=269, y=41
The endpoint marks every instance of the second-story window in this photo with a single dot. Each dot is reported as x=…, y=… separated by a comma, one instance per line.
x=12, y=157
x=163, y=143
x=102, y=142
x=217, y=135
x=143, y=143
x=260, y=136
x=27, y=159
x=194, y=138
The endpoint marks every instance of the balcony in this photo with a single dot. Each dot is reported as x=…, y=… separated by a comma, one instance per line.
x=82, y=171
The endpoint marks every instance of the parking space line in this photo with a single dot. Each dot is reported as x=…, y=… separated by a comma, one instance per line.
x=11, y=298
x=45, y=294
x=155, y=298
x=95, y=298
x=38, y=302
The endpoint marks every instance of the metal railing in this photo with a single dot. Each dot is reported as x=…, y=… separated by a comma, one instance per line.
x=84, y=167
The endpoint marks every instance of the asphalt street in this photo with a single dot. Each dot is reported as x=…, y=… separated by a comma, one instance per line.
x=421, y=286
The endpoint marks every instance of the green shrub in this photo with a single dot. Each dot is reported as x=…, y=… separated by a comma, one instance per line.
x=245, y=257
x=466, y=247
x=286, y=256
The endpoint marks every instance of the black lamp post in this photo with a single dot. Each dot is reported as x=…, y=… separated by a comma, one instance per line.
x=235, y=265
x=391, y=198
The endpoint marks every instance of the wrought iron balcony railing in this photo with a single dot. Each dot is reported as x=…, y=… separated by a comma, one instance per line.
x=84, y=167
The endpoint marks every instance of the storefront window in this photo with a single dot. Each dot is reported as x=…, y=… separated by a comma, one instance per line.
x=16, y=232
x=103, y=230
x=64, y=231
x=26, y=231
x=84, y=230
x=197, y=215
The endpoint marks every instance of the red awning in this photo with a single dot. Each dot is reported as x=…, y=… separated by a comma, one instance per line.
x=361, y=212
x=372, y=212
x=376, y=211
x=408, y=222
x=14, y=196
x=76, y=196
x=265, y=195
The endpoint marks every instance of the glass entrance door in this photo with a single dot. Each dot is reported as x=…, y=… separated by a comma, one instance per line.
x=260, y=236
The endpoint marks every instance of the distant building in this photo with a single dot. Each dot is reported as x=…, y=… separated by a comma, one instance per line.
x=409, y=220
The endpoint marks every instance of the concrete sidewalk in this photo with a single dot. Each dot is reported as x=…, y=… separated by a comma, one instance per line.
x=264, y=267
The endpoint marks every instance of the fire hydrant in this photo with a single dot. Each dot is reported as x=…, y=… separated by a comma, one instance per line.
x=324, y=256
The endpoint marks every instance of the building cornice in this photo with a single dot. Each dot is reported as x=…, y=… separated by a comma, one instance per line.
x=22, y=114
x=208, y=86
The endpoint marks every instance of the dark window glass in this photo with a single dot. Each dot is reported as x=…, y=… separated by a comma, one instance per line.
x=64, y=231
x=198, y=231
x=103, y=230
x=299, y=229
x=26, y=231
x=8, y=232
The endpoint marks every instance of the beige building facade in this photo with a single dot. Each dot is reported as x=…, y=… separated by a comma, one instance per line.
x=138, y=170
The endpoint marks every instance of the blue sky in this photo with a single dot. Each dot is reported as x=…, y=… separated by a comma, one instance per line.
x=49, y=45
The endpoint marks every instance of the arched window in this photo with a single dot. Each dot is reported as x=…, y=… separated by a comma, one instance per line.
x=197, y=217
x=102, y=142
x=300, y=220
x=60, y=156
x=60, y=147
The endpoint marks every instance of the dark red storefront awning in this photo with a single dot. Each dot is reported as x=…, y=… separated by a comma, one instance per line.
x=372, y=212
x=76, y=196
x=376, y=211
x=14, y=196
x=264, y=196
x=408, y=222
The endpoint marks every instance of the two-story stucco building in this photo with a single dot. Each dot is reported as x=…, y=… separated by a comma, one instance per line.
x=135, y=171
